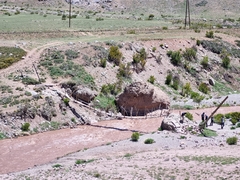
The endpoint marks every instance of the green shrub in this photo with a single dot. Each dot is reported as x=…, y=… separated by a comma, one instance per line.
x=150, y=17
x=99, y=19
x=204, y=62
x=82, y=161
x=232, y=128
x=209, y=34
x=198, y=42
x=25, y=127
x=190, y=54
x=124, y=71
x=103, y=62
x=225, y=62
x=235, y=117
x=105, y=102
x=196, y=97
x=149, y=141
x=140, y=58
x=232, y=140
x=71, y=54
x=64, y=17
x=115, y=55
x=57, y=166
x=2, y=136
x=189, y=116
x=186, y=90
x=66, y=101
x=238, y=125
x=175, y=84
x=217, y=118
x=168, y=79
x=29, y=81
x=175, y=57
x=152, y=79
x=113, y=89
x=135, y=136
x=203, y=87
x=154, y=49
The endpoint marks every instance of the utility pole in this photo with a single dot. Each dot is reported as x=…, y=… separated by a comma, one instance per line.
x=70, y=8
x=187, y=14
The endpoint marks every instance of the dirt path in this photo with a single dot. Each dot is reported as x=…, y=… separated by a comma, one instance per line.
x=31, y=57
x=25, y=152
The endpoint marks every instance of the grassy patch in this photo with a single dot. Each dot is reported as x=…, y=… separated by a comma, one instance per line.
x=105, y=102
x=210, y=159
x=128, y=155
x=10, y=55
x=208, y=133
x=2, y=136
x=221, y=88
x=57, y=66
x=82, y=161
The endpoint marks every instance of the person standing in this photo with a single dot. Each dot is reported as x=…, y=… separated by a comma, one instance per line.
x=206, y=118
x=222, y=122
x=203, y=116
x=211, y=124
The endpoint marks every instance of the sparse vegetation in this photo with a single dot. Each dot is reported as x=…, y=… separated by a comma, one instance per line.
x=149, y=141
x=209, y=34
x=25, y=127
x=10, y=55
x=168, y=79
x=189, y=116
x=135, y=136
x=203, y=87
x=83, y=161
x=190, y=54
x=115, y=55
x=232, y=140
x=204, y=62
x=175, y=57
x=152, y=79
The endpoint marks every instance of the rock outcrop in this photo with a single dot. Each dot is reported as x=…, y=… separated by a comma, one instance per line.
x=83, y=94
x=138, y=99
x=173, y=123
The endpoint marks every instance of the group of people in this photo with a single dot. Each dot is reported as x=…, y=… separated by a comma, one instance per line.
x=205, y=117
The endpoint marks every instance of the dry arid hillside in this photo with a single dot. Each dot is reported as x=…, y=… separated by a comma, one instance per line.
x=77, y=89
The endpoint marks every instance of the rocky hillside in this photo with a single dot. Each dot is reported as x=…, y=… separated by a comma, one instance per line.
x=199, y=8
x=80, y=82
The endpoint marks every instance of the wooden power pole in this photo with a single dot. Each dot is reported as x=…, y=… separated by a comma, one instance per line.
x=187, y=14
x=70, y=8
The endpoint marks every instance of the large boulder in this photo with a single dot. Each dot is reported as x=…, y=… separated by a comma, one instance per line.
x=138, y=99
x=173, y=123
x=83, y=94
